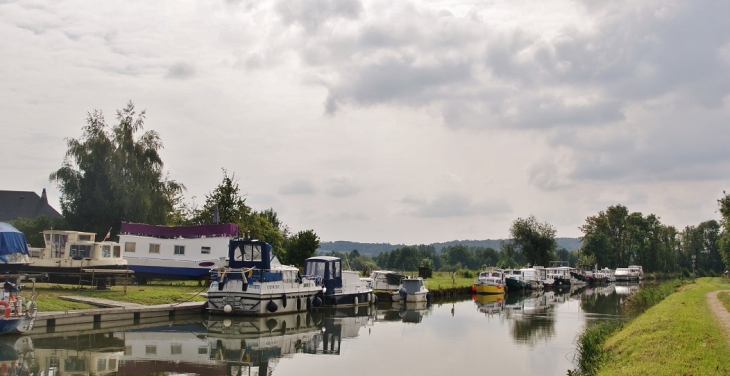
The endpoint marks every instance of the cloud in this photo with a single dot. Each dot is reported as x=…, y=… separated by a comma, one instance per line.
x=181, y=71
x=298, y=187
x=451, y=204
x=311, y=14
x=341, y=186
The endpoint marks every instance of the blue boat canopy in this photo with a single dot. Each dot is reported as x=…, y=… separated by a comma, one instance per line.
x=11, y=240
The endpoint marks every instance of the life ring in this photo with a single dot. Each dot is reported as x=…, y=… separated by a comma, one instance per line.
x=7, y=308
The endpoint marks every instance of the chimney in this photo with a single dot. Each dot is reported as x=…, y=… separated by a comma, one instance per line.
x=44, y=198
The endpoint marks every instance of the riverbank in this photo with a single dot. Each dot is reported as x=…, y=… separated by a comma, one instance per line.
x=679, y=336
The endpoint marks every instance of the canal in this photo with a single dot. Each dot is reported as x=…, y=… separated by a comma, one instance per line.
x=521, y=334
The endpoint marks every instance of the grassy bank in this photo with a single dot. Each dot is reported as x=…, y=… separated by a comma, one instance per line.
x=590, y=344
x=678, y=336
x=47, y=295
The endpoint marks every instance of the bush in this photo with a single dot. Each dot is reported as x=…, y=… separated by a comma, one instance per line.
x=468, y=274
x=591, y=355
x=686, y=273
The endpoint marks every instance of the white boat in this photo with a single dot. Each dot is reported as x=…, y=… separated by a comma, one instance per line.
x=339, y=287
x=68, y=252
x=535, y=276
x=386, y=280
x=256, y=283
x=626, y=275
x=559, y=272
x=412, y=290
x=638, y=270
x=182, y=252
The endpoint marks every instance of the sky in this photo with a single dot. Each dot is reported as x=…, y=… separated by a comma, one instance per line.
x=403, y=122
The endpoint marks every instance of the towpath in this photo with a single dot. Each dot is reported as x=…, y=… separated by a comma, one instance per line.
x=722, y=316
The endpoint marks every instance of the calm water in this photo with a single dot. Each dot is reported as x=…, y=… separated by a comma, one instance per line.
x=522, y=334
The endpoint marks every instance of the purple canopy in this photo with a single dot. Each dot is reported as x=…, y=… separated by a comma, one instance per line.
x=226, y=229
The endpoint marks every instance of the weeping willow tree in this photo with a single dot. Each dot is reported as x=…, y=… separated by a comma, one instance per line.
x=114, y=173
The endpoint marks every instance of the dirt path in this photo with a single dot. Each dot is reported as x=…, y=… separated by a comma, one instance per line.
x=722, y=316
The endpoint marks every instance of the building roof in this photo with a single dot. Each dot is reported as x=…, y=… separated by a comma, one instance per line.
x=25, y=204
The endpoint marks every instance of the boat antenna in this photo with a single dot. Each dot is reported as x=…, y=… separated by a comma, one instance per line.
x=348, y=262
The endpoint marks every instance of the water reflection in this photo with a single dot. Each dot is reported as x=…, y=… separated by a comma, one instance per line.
x=409, y=312
x=318, y=341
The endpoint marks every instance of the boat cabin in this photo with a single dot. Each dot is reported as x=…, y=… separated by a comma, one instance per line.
x=412, y=285
x=75, y=245
x=327, y=270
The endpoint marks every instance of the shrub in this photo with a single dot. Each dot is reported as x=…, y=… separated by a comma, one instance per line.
x=468, y=274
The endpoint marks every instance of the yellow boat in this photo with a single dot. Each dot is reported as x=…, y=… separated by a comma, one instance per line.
x=490, y=282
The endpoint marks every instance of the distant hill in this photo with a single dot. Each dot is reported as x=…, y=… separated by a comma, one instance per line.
x=374, y=249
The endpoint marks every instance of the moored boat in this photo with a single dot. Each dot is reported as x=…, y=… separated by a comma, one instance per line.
x=515, y=280
x=255, y=283
x=17, y=314
x=490, y=281
x=339, y=287
x=626, y=275
x=412, y=290
x=386, y=280
x=559, y=273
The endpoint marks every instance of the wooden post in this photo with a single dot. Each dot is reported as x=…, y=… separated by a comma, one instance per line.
x=93, y=285
x=126, y=280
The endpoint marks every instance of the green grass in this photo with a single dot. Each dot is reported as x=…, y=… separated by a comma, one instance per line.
x=47, y=295
x=678, y=336
x=443, y=280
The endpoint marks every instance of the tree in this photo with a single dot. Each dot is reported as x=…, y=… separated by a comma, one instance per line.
x=112, y=174
x=724, y=240
x=33, y=228
x=533, y=240
x=227, y=200
x=300, y=247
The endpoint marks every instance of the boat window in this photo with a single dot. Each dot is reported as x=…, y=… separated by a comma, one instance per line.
x=106, y=251
x=130, y=246
x=101, y=364
x=179, y=249
x=78, y=250
x=154, y=248
x=117, y=251
x=315, y=268
x=248, y=252
x=338, y=269
x=84, y=238
x=205, y=250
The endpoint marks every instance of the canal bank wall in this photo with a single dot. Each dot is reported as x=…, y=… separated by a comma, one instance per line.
x=116, y=314
x=436, y=293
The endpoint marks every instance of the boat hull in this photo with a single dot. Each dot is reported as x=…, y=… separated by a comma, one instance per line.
x=349, y=300
x=262, y=299
x=489, y=289
x=10, y=325
x=419, y=297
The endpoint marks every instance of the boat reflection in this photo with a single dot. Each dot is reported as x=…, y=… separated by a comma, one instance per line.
x=94, y=354
x=16, y=355
x=490, y=304
x=409, y=312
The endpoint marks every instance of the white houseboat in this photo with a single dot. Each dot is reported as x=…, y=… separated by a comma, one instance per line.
x=67, y=253
x=182, y=252
x=339, y=287
x=256, y=283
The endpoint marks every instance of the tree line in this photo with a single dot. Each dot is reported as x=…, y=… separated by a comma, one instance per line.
x=612, y=238
x=114, y=174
